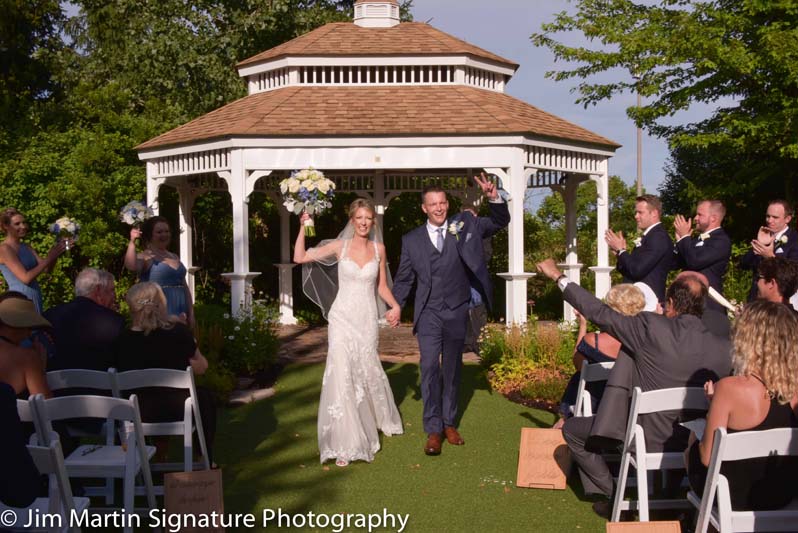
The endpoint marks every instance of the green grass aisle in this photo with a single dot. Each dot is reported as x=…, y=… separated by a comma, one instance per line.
x=270, y=458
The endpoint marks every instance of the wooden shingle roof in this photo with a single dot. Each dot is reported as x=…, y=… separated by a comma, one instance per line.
x=348, y=39
x=312, y=111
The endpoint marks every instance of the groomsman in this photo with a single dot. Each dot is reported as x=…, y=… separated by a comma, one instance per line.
x=652, y=257
x=774, y=239
x=708, y=252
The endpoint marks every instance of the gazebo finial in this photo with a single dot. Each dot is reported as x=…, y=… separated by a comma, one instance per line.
x=376, y=13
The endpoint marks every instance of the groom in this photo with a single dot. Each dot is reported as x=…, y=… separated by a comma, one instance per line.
x=444, y=259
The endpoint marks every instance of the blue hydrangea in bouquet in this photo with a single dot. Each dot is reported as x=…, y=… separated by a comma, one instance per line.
x=67, y=229
x=307, y=191
x=134, y=213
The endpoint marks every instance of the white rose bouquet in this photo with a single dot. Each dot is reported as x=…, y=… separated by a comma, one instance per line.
x=307, y=191
x=67, y=229
x=134, y=213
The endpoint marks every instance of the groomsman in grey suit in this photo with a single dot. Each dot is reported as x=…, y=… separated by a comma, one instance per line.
x=671, y=350
x=652, y=257
x=774, y=239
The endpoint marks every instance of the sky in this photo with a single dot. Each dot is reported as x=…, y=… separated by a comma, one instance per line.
x=504, y=27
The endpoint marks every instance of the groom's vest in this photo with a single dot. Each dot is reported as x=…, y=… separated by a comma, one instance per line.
x=448, y=278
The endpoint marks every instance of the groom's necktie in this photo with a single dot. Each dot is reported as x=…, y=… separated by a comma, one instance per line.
x=439, y=242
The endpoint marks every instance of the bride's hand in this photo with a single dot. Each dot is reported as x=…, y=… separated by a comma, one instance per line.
x=392, y=316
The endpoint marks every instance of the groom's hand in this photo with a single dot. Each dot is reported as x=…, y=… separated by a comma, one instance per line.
x=392, y=316
x=488, y=187
x=549, y=269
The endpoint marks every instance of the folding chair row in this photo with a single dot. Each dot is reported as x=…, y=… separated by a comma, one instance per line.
x=117, y=383
x=124, y=461
x=55, y=510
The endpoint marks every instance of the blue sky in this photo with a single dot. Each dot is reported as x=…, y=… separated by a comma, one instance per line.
x=503, y=27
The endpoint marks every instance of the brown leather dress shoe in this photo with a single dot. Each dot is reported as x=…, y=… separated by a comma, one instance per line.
x=433, y=445
x=453, y=437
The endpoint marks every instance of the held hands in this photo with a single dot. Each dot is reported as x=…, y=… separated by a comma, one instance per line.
x=392, y=316
x=616, y=241
x=549, y=269
x=488, y=187
x=683, y=226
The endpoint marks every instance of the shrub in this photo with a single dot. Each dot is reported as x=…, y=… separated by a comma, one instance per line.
x=533, y=359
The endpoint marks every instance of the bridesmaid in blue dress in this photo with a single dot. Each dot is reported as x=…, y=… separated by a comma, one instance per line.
x=157, y=264
x=19, y=263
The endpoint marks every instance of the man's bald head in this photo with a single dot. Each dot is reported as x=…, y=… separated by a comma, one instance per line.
x=693, y=274
x=686, y=295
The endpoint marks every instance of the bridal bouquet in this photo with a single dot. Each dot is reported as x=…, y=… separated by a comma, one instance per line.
x=309, y=191
x=67, y=229
x=134, y=213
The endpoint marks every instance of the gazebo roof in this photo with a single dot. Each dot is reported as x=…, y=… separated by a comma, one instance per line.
x=311, y=111
x=348, y=39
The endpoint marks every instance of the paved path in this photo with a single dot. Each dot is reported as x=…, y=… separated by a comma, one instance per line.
x=308, y=344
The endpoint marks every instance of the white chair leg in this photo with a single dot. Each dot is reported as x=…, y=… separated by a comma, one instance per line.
x=129, y=495
x=188, y=452
x=619, y=490
x=642, y=490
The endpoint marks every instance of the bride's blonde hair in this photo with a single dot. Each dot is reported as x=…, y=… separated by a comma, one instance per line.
x=147, y=304
x=364, y=203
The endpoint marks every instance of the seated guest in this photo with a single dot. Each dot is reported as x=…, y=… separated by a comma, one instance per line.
x=671, y=350
x=762, y=394
x=20, y=483
x=599, y=347
x=22, y=368
x=157, y=340
x=85, y=329
x=777, y=280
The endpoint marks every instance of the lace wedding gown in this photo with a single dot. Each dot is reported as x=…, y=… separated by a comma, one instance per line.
x=356, y=398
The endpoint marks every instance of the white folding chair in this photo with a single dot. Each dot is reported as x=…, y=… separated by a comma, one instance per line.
x=82, y=379
x=54, y=511
x=109, y=460
x=26, y=413
x=675, y=399
x=590, y=373
x=192, y=421
x=715, y=506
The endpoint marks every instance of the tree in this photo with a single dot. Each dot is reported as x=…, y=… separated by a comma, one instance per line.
x=740, y=55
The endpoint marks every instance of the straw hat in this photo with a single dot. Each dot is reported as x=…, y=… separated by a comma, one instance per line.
x=19, y=313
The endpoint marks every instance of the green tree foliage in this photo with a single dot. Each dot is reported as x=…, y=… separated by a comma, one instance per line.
x=740, y=56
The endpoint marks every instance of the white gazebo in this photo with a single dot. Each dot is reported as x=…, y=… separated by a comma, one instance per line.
x=382, y=107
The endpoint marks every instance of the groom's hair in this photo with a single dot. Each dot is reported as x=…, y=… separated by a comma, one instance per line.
x=430, y=188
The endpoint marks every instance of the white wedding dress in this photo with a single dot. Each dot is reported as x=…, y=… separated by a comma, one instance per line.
x=356, y=398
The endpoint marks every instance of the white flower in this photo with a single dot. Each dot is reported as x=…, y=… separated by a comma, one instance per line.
x=309, y=185
x=704, y=236
x=226, y=315
x=231, y=337
x=638, y=241
x=783, y=239
x=293, y=185
x=455, y=228
x=324, y=186
x=284, y=186
x=237, y=328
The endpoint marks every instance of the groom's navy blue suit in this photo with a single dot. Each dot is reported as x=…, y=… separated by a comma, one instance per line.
x=443, y=280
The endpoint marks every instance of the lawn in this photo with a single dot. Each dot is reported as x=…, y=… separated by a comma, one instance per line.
x=269, y=457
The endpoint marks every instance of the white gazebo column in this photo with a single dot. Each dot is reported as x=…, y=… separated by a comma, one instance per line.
x=571, y=267
x=284, y=268
x=603, y=269
x=186, y=199
x=153, y=185
x=514, y=182
x=241, y=278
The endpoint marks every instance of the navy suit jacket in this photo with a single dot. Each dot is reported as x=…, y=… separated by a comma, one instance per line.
x=650, y=262
x=750, y=261
x=414, y=264
x=710, y=258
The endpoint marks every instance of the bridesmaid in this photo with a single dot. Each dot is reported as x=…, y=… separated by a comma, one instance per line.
x=157, y=264
x=19, y=263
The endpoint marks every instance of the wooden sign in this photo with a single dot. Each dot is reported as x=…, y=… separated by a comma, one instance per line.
x=644, y=527
x=543, y=459
x=196, y=493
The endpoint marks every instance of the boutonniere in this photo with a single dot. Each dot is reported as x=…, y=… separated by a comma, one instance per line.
x=703, y=237
x=638, y=241
x=455, y=228
x=781, y=240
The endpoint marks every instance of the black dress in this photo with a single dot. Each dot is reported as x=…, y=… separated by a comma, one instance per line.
x=760, y=484
x=164, y=348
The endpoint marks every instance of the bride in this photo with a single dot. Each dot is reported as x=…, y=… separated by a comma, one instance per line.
x=356, y=398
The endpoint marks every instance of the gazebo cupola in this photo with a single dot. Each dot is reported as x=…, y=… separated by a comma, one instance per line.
x=376, y=13
x=383, y=107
